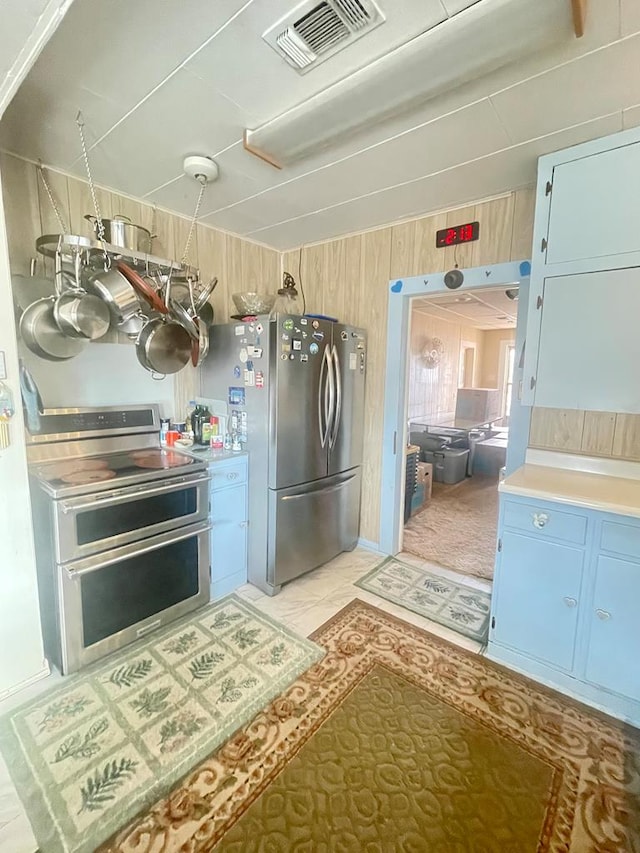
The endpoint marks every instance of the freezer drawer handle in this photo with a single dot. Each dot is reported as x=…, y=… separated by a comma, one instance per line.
x=338, y=406
x=324, y=491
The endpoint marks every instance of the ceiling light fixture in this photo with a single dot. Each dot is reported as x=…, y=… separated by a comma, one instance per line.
x=480, y=39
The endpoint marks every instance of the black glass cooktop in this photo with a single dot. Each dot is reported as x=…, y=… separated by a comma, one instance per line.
x=111, y=467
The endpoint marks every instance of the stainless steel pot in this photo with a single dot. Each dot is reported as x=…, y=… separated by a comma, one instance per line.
x=163, y=347
x=81, y=315
x=121, y=231
x=42, y=336
x=115, y=290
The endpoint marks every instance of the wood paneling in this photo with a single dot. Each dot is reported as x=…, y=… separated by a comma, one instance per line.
x=560, y=429
x=22, y=211
x=522, y=234
x=607, y=434
x=626, y=438
x=598, y=433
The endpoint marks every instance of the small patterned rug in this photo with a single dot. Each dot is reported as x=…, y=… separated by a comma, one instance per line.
x=89, y=755
x=462, y=608
x=397, y=740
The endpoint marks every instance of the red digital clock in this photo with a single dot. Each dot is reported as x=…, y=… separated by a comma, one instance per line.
x=466, y=233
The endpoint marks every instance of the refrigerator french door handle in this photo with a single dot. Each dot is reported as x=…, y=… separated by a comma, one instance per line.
x=338, y=407
x=325, y=397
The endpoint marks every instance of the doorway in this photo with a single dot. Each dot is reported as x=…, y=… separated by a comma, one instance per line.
x=458, y=432
x=396, y=424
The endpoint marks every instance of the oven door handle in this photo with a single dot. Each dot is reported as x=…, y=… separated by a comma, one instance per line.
x=92, y=564
x=134, y=493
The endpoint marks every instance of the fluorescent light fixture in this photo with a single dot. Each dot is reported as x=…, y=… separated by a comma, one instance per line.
x=481, y=38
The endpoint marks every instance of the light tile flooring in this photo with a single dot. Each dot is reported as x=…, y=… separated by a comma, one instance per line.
x=303, y=605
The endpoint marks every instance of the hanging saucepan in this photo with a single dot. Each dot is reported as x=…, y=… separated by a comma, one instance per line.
x=114, y=289
x=79, y=314
x=121, y=231
x=42, y=336
x=163, y=346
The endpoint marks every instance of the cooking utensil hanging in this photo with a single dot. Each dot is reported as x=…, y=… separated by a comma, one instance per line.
x=163, y=346
x=116, y=291
x=79, y=314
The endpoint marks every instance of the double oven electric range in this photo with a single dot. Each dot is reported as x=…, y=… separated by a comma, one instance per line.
x=121, y=529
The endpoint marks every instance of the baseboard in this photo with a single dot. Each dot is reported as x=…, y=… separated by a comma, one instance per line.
x=370, y=546
x=17, y=688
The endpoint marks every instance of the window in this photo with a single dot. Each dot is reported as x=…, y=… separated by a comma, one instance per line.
x=510, y=363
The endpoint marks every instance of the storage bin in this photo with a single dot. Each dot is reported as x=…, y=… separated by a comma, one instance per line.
x=449, y=465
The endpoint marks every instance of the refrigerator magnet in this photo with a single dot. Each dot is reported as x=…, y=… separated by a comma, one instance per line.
x=239, y=330
x=304, y=356
x=353, y=361
x=237, y=372
x=288, y=325
x=303, y=321
x=243, y=355
x=313, y=348
x=259, y=379
x=259, y=328
x=236, y=396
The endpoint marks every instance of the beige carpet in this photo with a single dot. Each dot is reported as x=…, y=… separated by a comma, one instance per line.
x=398, y=742
x=458, y=527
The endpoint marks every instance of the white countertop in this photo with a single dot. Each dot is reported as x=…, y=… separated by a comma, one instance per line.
x=210, y=456
x=584, y=488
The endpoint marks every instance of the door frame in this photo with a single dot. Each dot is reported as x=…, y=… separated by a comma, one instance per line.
x=401, y=292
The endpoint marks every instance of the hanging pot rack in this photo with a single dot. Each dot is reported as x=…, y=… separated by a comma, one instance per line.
x=93, y=253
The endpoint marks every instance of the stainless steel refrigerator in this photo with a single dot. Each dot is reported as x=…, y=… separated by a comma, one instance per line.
x=300, y=383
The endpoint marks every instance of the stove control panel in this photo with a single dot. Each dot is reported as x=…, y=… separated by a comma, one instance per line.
x=58, y=423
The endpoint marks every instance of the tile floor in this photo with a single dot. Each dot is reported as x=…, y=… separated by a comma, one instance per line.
x=303, y=605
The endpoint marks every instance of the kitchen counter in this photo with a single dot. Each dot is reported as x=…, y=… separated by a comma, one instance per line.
x=208, y=455
x=591, y=489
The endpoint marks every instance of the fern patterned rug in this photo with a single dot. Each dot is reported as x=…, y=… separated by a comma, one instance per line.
x=462, y=608
x=89, y=755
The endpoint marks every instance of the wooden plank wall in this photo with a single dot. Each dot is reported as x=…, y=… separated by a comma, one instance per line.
x=239, y=264
x=348, y=278
x=433, y=391
x=609, y=434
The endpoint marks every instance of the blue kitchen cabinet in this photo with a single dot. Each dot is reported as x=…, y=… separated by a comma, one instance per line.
x=229, y=520
x=565, y=601
x=584, y=266
x=536, y=602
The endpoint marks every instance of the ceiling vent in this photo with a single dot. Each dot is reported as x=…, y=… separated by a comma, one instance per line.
x=312, y=32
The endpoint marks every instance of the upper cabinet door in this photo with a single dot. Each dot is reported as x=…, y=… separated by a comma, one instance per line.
x=595, y=206
x=589, y=348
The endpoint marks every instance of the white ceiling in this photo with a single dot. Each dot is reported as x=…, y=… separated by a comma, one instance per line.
x=26, y=26
x=156, y=85
x=490, y=309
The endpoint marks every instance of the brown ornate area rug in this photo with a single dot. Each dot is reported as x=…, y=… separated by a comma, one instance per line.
x=399, y=741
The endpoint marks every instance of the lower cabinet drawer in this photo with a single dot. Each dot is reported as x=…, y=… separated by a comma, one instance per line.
x=620, y=539
x=545, y=522
x=229, y=474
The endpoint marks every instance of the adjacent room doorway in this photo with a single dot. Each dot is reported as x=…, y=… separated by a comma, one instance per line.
x=499, y=277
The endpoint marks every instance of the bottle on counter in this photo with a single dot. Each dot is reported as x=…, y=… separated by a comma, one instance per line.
x=200, y=417
x=188, y=421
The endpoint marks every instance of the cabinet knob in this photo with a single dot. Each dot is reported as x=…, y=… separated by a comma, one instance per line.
x=570, y=602
x=603, y=614
x=540, y=519
x=232, y=476
x=243, y=524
